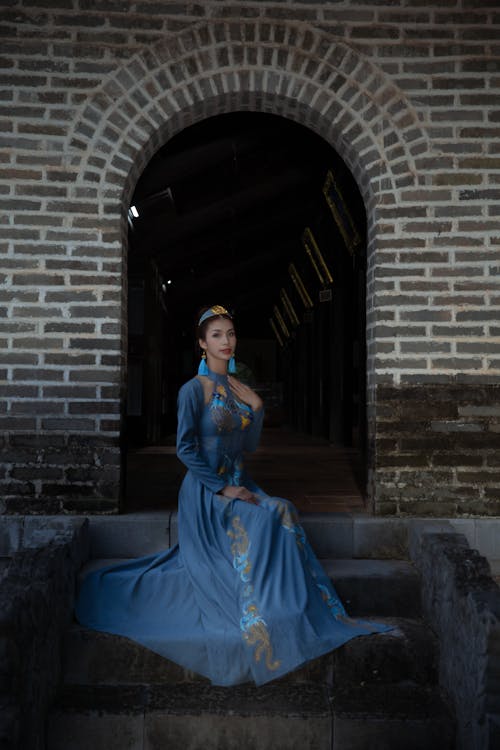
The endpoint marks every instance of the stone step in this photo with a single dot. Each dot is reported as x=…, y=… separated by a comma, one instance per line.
x=388, y=588
x=409, y=653
x=392, y=717
x=332, y=535
x=406, y=653
x=273, y=717
x=385, y=588
x=191, y=717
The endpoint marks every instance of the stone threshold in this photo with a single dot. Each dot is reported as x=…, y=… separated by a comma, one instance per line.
x=333, y=535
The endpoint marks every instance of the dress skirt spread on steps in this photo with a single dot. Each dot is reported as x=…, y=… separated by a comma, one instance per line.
x=241, y=597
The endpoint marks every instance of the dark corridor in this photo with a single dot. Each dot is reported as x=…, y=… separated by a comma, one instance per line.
x=261, y=215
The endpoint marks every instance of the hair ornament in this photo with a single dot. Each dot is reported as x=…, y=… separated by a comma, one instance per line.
x=212, y=312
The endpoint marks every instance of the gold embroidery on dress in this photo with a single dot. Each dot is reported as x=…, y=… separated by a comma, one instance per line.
x=240, y=549
x=223, y=410
x=252, y=624
x=245, y=421
x=289, y=519
x=257, y=635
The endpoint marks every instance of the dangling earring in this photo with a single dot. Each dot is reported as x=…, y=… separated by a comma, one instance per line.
x=232, y=365
x=203, y=367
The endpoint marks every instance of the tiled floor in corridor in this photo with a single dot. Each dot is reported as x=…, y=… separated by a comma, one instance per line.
x=312, y=473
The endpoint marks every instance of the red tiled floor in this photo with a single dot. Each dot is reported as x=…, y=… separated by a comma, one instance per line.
x=315, y=475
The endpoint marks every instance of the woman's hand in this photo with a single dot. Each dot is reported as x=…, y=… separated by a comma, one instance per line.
x=238, y=493
x=244, y=393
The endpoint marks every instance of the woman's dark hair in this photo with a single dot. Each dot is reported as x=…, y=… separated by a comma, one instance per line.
x=201, y=330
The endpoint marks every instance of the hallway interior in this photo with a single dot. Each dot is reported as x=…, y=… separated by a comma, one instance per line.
x=315, y=475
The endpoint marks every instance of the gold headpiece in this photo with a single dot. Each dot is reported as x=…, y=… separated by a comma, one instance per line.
x=212, y=312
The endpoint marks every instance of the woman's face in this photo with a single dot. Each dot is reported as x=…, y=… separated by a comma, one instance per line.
x=220, y=341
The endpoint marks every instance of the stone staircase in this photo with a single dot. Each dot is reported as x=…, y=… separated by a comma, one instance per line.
x=377, y=692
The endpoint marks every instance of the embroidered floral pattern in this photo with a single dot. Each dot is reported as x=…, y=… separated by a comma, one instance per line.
x=332, y=602
x=224, y=409
x=252, y=624
x=231, y=469
x=290, y=522
x=256, y=634
x=240, y=549
x=289, y=519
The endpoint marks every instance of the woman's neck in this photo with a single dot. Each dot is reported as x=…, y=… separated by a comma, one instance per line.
x=218, y=366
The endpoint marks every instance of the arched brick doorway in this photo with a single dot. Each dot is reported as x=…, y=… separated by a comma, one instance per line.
x=220, y=213
x=286, y=69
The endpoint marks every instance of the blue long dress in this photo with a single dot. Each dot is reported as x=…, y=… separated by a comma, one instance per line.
x=242, y=596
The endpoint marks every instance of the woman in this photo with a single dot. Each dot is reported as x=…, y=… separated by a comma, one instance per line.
x=242, y=597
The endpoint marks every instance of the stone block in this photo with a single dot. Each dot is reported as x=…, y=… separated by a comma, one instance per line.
x=211, y=732
x=427, y=526
x=94, y=658
x=40, y=530
x=487, y=539
x=131, y=535
x=330, y=534
x=279, y=717
x=94, y=729
x=380, y=538
x=409, y=653
x=376, y=587
x=199, y=717
x=390, y=717
x=467, y=527
x=11, y=534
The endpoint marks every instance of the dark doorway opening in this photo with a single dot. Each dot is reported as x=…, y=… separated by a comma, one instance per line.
x=261, y=215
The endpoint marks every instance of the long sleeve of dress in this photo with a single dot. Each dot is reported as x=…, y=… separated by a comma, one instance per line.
x=252, y=436
x=189, y=406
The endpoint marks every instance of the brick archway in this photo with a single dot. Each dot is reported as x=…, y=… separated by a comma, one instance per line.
x=287, y=69
x=292, y=70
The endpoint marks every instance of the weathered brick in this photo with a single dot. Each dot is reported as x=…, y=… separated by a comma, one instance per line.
x=67, y=327
x=17, y=423
x=102, y=311
x=69, y=359
x=12, y=390
x=94, y=343
x=94, y=376
x=37, y=407
x=36, y=472
x=68, y=391
x=93, y=407
x=19, y=358
x=36, y=373
x=32, y=343
x=72, y=425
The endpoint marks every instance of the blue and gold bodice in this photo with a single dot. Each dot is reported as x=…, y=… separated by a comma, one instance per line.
x=215, y=430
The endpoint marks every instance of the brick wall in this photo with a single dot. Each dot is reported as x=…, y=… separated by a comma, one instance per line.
x=407, y=93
